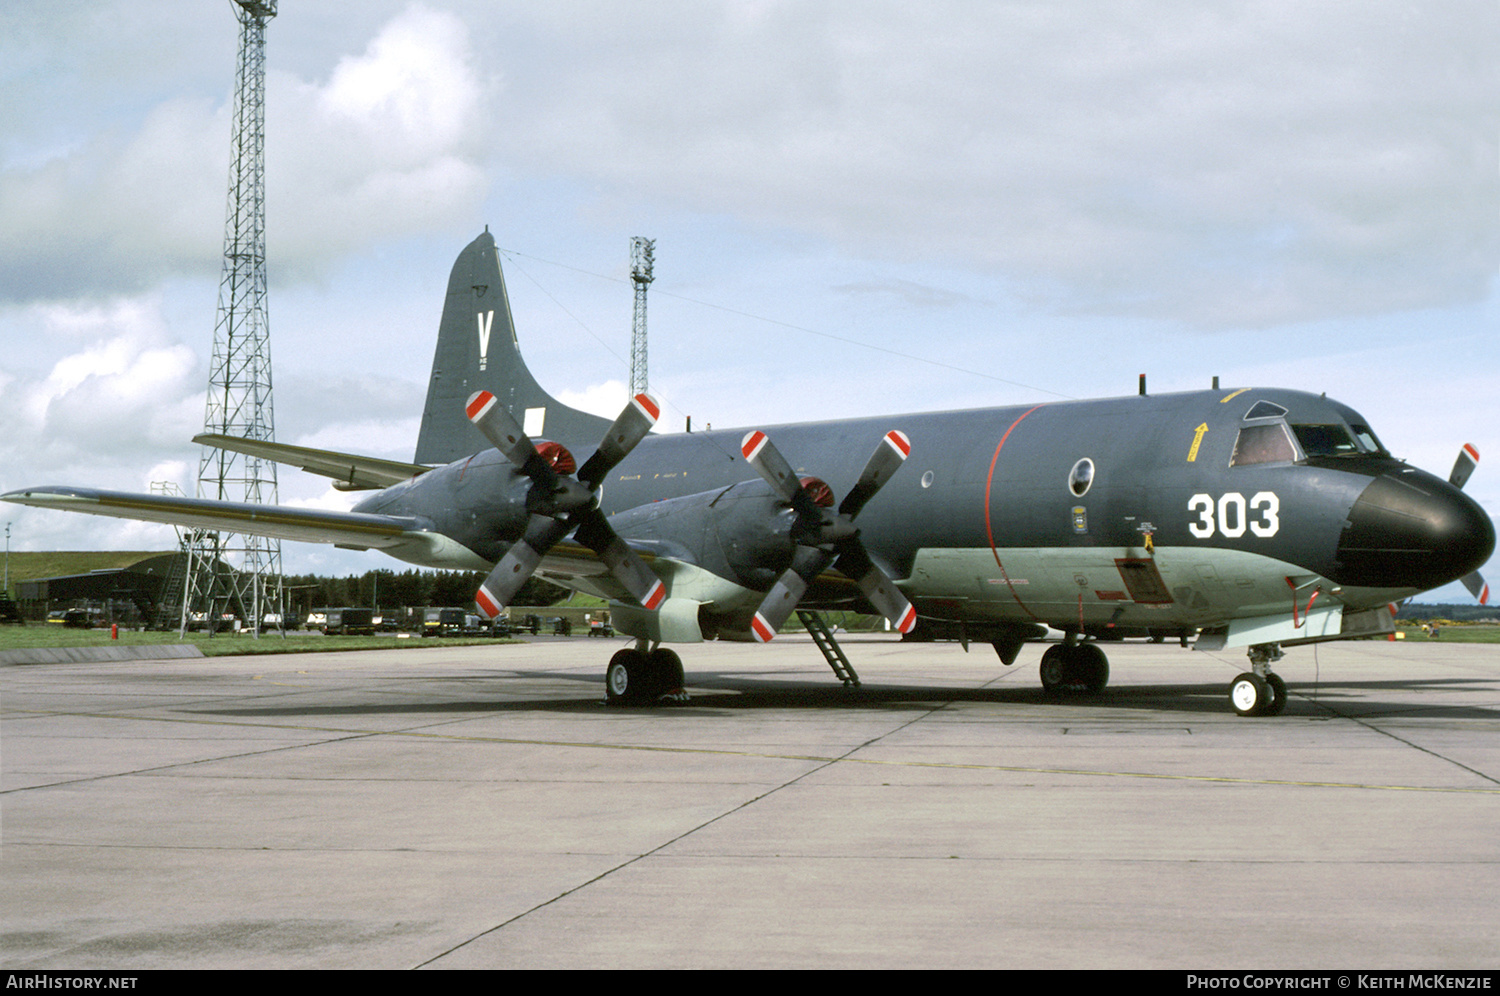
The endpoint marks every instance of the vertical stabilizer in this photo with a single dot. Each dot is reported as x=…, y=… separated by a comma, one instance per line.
x=477, y=350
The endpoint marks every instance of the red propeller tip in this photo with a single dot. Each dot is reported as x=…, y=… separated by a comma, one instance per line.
x=752, y=443
x=655, y=596
x=762, y=629
x=487, y=603
x=908, y=620
x=648, y=405
x=899, y=442
x=478, y=405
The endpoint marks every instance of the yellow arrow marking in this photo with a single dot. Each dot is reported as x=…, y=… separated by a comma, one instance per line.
x=1197, y=440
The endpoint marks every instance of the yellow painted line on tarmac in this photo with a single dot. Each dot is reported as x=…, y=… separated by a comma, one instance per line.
x=813, y=758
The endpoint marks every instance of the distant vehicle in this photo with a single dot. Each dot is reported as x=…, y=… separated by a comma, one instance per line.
x=601, y=627
x=443, y=622
x=72, y=618
x=349, y=622
x=10, y=612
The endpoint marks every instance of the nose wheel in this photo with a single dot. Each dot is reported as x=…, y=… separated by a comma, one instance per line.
x=1259, y=692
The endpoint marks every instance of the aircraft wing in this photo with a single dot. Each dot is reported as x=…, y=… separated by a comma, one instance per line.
x=349, y=472
x=405, y=537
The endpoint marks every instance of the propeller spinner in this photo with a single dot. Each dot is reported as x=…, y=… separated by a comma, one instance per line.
x=825, y=538
x=560, y=504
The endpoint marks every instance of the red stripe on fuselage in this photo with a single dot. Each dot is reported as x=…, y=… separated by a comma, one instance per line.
x=989, y=529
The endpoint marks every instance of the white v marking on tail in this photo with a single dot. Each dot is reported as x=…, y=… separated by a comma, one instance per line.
x=484, y=320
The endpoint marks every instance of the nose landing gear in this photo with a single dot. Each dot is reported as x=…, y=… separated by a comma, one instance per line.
x=1259, y=691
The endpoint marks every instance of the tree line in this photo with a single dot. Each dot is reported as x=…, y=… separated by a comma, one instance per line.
x=392, y=589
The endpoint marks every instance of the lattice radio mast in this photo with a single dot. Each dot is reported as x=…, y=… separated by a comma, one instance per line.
x=242, y=573
x=641, y=252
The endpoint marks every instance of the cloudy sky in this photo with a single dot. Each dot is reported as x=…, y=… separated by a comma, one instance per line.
x=860, y=207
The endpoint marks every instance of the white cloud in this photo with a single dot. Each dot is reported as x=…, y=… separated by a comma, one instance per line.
x=1231, y=166
x=128, y=388
x=388, y=146
x=606, y=399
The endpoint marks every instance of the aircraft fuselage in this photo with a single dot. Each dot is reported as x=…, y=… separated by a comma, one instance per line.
x=1159, y=513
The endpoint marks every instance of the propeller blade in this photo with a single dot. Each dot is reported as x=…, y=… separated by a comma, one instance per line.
x=1477, y=587
x=888, y=457
x=518, y=564
x=624, y=563
x=854, y=562
x=1468, y=458
x=506, y=435
x=768, y=462
x=629, y=428
x=777, y=607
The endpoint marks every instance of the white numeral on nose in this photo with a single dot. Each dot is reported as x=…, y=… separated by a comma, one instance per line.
x=1230, y=516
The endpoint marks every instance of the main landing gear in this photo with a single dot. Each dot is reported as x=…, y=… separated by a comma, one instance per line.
x=1259, y=692
x=639, y=677
x=1074, y=667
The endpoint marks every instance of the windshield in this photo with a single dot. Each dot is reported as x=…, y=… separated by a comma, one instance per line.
x=1326, y=440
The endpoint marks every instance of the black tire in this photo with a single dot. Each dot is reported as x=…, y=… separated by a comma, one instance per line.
x=1090, y=667
x=625, y=678
x=1055, y=671
x=1249, y=694
x=1278, y=695
x=665, y=671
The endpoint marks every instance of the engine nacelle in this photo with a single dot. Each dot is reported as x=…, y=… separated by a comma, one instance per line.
x=742, y=533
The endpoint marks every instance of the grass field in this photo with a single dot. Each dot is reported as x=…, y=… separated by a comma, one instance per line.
x=1456, y=634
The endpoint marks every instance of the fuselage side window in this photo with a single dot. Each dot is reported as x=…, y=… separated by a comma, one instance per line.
x=1269, y=443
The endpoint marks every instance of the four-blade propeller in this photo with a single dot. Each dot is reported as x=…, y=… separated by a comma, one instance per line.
x=1468, y=459
x=560, y=504
x=824, y=537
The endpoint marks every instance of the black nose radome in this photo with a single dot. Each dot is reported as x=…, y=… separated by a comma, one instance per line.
x=1411, y=530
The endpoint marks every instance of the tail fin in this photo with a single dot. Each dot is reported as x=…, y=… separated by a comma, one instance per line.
x=477, y=350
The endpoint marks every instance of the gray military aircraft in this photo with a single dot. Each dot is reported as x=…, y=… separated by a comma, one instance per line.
x=1246, y=517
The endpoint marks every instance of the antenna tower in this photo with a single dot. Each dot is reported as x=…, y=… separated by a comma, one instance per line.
x=642, y=251
x=233, y=572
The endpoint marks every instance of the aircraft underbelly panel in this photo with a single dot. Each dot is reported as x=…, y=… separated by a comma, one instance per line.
x=1091, y=586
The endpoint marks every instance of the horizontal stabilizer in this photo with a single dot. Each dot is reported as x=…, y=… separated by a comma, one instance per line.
x=349, y=472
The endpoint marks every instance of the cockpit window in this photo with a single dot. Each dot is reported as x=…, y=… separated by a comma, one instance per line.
x=1366, y=439
x=1263, y=444
x=1325, y=440
x=1264, y=409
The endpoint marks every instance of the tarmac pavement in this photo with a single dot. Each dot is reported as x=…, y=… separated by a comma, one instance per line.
x=479, y=807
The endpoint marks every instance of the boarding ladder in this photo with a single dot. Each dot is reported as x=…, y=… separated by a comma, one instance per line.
x=832, y=652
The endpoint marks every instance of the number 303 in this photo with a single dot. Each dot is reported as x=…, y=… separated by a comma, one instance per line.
x=1234, y=516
